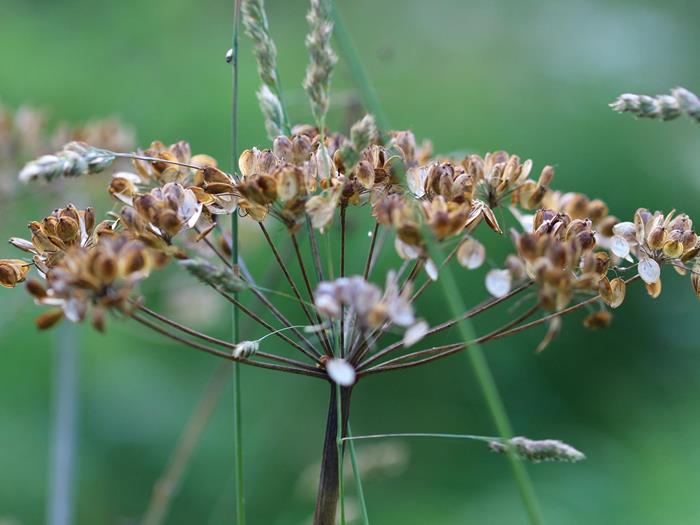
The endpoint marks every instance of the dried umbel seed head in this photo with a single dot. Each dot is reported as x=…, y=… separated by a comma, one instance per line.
x=95, y=280
x=169, y=209
x=538, y=450
x=62, y=229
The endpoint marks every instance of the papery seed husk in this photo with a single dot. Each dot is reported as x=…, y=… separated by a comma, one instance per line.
x=498, y=282
x=654, y=289
x=619, y=288
x=471, y=254
x=649, y=270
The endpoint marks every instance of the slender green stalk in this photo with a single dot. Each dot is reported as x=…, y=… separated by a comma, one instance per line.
x=349, y=52
x=471, y=437
x=63, y=442
x=449, y=285
x=237, y=408
x=488, y=388
x=356, y=474
x=339, y=444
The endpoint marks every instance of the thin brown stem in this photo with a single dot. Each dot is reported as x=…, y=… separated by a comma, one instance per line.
x=482, y=307
x=217, y=252
x=310, y=351
x=323, y=336
x=343, y=211
x=370, y=255
x=220, y=342
x=154, y=159
x=224, y=355
x=365, y=344
x=429, y=281
x=314, y=250
x=441, y=352
x=286, y=273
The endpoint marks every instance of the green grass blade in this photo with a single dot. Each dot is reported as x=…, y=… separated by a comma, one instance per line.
x=488, y=387
x=358, y=479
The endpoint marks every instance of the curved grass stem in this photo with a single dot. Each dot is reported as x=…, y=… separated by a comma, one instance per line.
x=489, y=390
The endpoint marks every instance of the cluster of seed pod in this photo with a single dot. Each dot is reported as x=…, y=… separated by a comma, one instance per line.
x=94, y=280
x=655, y=239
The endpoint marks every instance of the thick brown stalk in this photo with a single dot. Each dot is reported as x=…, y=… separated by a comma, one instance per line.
x=328, y=488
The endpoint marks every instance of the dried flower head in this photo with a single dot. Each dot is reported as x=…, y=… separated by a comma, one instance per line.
x=95, y=280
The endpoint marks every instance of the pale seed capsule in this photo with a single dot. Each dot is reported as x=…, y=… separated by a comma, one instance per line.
x=301, y=148
x=606, y=225
x=498, y=282
x=673, y=249
x=605, y=290
x=471, y=254
x=597, y=209
x=516, y=267
x=649, y=270
x=246, y=163
x=287, y=183
x=265, y=162
x=619, y=289
x=619, y=246
x=587, y=240
x=689, y=239
x=546, y=176
x=654, y=289
x=656, y=237
x=282, y=148
x=695, y=282
x=365, y=174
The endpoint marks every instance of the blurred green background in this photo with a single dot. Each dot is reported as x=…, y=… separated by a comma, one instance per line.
x=532, y=77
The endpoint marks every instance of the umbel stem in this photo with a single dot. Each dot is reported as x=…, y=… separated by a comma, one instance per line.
x=328, y=488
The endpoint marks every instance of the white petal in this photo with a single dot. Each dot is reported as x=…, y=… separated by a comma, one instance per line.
x=471, y=254
x=619, y=246
x=649, y=270
x=498, y=282
x=341, y=372
x=415, y=333
x=431, y=269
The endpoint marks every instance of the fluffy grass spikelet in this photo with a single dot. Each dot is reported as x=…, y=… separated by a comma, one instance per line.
x=664, y=107
x=539, y=450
